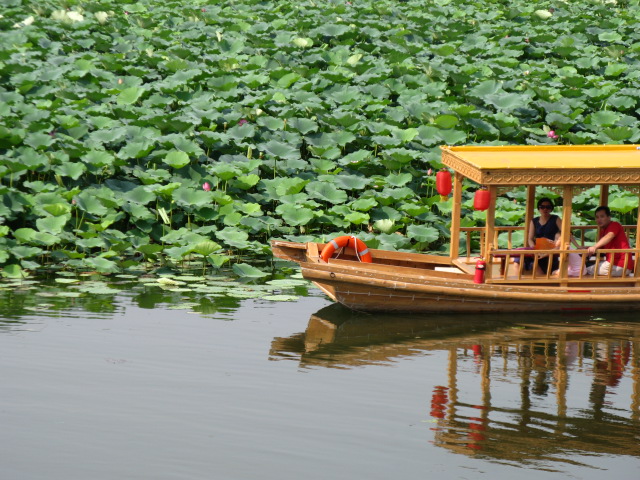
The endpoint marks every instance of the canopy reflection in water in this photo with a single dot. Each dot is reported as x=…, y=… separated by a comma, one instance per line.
x=504, y=393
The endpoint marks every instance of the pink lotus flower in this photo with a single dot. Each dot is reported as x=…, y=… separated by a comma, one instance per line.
x=552, y=134
x=430, y=171
x=206, y=186
x=241, y=122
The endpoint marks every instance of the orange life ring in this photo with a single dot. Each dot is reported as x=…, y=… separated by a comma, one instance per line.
x=362, y=251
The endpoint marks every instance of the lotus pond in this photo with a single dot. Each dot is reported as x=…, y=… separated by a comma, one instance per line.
x=193, y=377
x=149, y=130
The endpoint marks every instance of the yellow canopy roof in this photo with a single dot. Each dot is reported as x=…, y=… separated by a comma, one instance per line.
x=546, y=165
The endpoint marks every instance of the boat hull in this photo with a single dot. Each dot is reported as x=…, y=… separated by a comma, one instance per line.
x=377, y=295
x=383, y=287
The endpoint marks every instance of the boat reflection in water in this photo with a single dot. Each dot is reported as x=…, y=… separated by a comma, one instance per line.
x=505, y=389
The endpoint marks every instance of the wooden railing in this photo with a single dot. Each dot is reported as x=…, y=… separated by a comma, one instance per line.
x=476, y=236
x=512, y=266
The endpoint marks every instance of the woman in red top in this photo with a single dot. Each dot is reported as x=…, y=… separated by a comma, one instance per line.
x=612, y=236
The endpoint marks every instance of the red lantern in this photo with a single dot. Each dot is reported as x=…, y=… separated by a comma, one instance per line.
x=481, y=199
x=443, y=182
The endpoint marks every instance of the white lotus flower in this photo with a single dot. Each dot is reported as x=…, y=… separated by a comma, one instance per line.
x=75, y=16
x=24, y=23
x=543, y=14
x=101, y=17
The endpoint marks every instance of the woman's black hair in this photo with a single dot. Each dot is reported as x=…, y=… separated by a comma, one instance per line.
x=545, y=199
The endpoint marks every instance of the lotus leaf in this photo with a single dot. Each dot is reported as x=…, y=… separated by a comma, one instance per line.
x=67, y=280
x=218, y=260
x=326, y=192
x=57, y=209
x=422, y=233
x=53, y=225
x=624, y=204
x=25, y=235
x=140, y=195
x=393, y=241
x=234, y=237
x=39, y=140
x=224, y=171
x=244, y=270
x=604, y=118
x=351, y=182
x=189, y=198
x=150, y=250
x=445, y=121
x=130, y=95
x=295, y=215
x=177, y=159
x=281, y=150
x=136, y=149
x=246, y=182
x=177, y=253
x=220, y=198
x=399, y=180
x=364, y=204
x=355, y=157
x=21, y=252
x=13, y=271
x=138, y=212
x=280, y=298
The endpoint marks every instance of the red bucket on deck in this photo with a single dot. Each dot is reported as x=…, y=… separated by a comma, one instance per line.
x=481, y=267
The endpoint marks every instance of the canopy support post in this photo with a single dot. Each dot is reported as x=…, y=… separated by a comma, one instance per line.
x=604, y=195
x=490, y=229
x=565, y=235
x=528, y=216
x=455, y=216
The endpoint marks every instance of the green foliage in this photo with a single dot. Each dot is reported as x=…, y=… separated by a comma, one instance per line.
x=303, y=118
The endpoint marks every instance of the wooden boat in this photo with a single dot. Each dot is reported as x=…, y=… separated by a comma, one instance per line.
x=413, y=282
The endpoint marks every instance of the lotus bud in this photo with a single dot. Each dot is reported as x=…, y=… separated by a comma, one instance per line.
x=206, y=186
x=551, y=134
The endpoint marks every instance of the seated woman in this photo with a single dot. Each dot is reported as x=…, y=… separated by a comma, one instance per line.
x=546, y=226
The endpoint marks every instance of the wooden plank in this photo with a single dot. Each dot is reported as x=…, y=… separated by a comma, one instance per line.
x=313, y=254
x=465, y=266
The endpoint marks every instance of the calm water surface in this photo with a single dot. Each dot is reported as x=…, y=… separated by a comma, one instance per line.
x=127, y=386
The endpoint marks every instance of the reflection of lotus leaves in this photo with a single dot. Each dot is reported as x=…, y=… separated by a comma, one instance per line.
x=69, y=294
x=237, y=293
x=183, y=306
x=281, y=298
x=176, y=289
x=169, y=281
x=189, y=278
x=287, y=283
x=209, y=289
